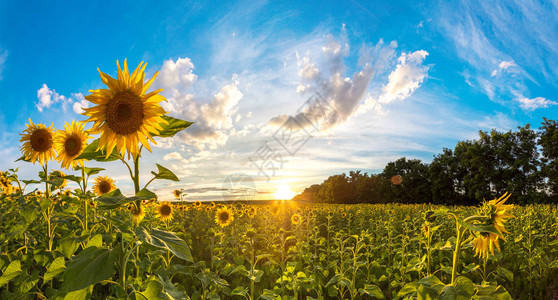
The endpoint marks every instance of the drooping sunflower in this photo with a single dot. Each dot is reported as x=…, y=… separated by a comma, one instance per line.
x=484, y=244
x=38, y=142
x=224, y=216
x=177, y=193
x=165, y=211
x=124, y=114
x=70, y=143
x=498, y=212
x=295, y=219
x=103, y=185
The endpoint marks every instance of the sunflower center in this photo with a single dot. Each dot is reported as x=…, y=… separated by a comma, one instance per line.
x=104, y=187
x=224, y=216
x=165, y=210
x=41, y=140
x=72, y=145
x=124, y=113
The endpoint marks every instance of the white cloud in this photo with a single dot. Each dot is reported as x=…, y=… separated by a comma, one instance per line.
x=535, y=103
x=3, y=57
x=504, y=65
x=177, y=75
x=172, y=156
x=50, y=99
x=213, y=119
x=406, y=78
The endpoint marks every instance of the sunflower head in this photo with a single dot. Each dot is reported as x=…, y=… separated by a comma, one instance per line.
x=70, y=143
x=484, y=244
x=197, y=204
x=38, y=143
x=103, y=185
x=177, y=193
x=124, y=114
x=165, y=211
x=295, y=219
x=224, y=216
x=498, y=212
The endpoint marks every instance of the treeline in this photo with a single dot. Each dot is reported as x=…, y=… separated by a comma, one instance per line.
x=524, y=162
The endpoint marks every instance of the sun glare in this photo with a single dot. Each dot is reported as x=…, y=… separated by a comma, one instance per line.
x=284, y=193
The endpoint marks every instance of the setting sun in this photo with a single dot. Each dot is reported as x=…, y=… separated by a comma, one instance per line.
x=284, y=193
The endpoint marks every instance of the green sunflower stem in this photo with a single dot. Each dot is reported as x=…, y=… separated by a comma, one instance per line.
x=136, y=174
x=85, y=201
x=458, y=242
x=47, y=187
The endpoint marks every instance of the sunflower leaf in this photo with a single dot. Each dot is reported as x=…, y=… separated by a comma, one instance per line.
x=91, y=153
x=89, y=267
x=115, y=198
x=23, y=158
x=173, y=127
x=90, y=171
x=164, y=173
x=165, y=240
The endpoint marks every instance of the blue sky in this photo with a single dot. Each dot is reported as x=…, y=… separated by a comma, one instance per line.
x=403, y=79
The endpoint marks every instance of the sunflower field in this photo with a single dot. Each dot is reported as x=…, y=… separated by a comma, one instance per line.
x=94, y=242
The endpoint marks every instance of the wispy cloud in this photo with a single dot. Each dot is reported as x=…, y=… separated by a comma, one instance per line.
x=508, y=46
x=3, y=58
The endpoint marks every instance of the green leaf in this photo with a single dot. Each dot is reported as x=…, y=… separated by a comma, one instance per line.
x=372, y=290
x=13, y=270
x=505, y=273
x=91, y=266
x=171, y=289
x=90, y=171
x=115, y=198
x=426, y=293
x=91, y=153
x=409, y=288
x=23, y=158
x=463, y=289
x=153, y=291
x=68, y=246
x=55, y=268
x=164, y=173
x=173, y=127
x=165, y=240
x=483, y=227
x=76, y=179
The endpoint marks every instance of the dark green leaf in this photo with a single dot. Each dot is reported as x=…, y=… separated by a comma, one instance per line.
x=55, y=268
x=91, y=266
x=13, y=269
x=115, y=198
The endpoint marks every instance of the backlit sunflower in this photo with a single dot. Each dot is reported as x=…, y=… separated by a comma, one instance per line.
x=103, y=185
x=124, y=114
x=197, y=204
x=137, y=213
x=165, y=211
x=484, y=244
x=38, y=143
x=177, y=193
x=70, y=143
x=224, y=216
x=498, y=212
x=295, y=219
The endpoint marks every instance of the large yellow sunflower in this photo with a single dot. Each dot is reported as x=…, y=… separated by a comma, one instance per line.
x=38, y=142
x=70, y=143
x=125, y=114
x=224, y=217
x=103, y=185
